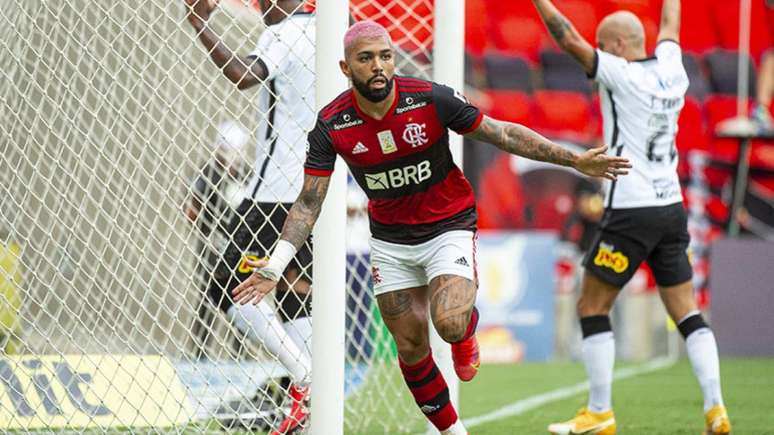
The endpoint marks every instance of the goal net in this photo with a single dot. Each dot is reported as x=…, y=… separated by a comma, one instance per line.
x=113, y=218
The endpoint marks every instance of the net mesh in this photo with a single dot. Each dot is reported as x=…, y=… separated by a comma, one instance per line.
x=112, y=118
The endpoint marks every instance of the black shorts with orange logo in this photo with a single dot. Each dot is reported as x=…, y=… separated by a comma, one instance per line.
x=627, y=237
x=255, y=228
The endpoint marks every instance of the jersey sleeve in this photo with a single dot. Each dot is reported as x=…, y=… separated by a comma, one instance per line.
x=320, y=156
x=610, y=70
x=454, y=110
x=668, y=50
x=271, y=51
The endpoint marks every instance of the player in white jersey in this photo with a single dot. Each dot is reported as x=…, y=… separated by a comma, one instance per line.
x=644, y=218
x=281, y=68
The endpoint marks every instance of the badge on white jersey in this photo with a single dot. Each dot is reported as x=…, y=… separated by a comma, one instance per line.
x=387, y=142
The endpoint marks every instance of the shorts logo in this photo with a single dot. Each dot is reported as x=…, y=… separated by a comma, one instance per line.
x=377, y=277
x=607, y=257
x=462, y=262
x=387, y=142
x=415, y=135
x=244, y=267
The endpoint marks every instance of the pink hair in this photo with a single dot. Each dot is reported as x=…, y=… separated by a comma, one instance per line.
x=364, y=29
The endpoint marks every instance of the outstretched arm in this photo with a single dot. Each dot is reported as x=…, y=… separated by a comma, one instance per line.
x=242, y=71
x=520, y=140
x=670, y=21
x=565, y=34
x=298, y=226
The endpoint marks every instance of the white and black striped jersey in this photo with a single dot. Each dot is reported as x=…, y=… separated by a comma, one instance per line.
x=641, y=102
x=286, y=108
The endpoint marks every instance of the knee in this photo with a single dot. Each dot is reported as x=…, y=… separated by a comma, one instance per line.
x=452, y=328
x=412, y=348
x=593, y=306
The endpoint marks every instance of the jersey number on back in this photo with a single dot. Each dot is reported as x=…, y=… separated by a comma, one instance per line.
x=657, y=139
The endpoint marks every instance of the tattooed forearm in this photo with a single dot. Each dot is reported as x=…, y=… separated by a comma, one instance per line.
x=558, y=26
x=302, y=216
x=520, y=140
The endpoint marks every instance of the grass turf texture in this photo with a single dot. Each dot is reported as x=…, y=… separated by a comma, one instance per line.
x=664, y=402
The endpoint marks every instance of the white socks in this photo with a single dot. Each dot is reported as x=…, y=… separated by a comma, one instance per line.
x=703, y=353
x=599, y=358
x=456, y=429
x=260, y=323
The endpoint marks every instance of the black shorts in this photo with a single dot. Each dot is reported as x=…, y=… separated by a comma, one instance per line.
x=627, y=237
x=255, y=229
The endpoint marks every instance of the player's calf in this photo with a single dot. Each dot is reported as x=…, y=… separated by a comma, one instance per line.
x=455, y=318
x=431, y=394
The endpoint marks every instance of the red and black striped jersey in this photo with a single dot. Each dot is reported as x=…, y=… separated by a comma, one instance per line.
x=403, y=161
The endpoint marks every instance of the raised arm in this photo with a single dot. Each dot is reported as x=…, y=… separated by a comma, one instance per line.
x=520, y=140
x=242, y=71
x=565, y=34
x=670, y=21
x=298, y=226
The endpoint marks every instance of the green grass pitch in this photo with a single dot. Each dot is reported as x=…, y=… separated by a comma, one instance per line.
x=663, y=402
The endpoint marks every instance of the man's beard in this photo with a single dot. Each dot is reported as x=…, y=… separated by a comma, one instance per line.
x=373, y=95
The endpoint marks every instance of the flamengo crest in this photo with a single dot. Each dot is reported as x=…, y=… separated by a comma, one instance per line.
x=415, y=135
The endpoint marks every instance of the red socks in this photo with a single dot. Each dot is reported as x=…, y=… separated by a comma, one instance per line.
x=430, y=391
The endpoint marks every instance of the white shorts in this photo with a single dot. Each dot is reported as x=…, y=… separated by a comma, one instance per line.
x=396, y=267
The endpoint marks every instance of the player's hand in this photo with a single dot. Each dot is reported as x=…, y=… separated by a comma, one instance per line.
x=596, y=163
x=200, y=10
x=256, y=286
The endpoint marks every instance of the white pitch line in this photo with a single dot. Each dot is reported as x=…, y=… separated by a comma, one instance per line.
x=521, y=406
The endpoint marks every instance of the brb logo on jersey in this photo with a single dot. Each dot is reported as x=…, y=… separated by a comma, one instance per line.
x=415, y=135
x=607, y=257
x=399, y=177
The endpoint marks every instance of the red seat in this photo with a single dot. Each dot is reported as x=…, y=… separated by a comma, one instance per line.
x=583, y=14
x=476, y=27
x=691, y=133
x=719, y=108
x=717, y=177
x=512, y=106
x=697, y=28
x=717, y=210
x=564, y=114
x=519, y=35
x=642, y=8
x=725, y=15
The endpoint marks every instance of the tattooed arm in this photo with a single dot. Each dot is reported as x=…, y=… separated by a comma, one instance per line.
x=305, y=211
x=670, y=21
x=520, y=140
x=565, y=34
x=298, y=226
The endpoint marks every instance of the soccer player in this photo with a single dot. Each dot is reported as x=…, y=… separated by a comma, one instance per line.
x=393, y=133
x=281, y=68
x=644, y=218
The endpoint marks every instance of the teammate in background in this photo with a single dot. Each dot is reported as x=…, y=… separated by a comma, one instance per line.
x=281, y=68
x=212, y=201
x=644, y=218
x=393, y=134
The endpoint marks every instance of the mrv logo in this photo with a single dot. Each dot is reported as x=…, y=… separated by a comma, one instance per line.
x=399, y=177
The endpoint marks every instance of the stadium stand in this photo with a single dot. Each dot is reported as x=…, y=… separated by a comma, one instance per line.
x=561, y=72
x=524, y=73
